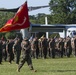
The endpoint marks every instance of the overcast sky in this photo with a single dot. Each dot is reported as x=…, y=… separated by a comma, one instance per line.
x=16, y=3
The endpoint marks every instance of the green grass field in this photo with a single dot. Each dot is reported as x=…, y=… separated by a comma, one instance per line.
x=57, y=66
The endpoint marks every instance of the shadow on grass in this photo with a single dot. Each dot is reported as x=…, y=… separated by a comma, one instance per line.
x=63, y=70
x=58, y=70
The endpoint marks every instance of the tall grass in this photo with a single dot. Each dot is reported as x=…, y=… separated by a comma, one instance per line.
x=57, y=66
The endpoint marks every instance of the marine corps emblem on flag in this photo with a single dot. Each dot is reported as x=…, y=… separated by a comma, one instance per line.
x=19, y=21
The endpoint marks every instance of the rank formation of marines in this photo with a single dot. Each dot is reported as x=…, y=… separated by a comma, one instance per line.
x=13, y=49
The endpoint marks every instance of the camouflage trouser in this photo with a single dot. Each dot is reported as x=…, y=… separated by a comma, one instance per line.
x=0, y=58
x=69, y=52
x=26, y=58
x=44, y=52
x=17, y=54
x=10, y=57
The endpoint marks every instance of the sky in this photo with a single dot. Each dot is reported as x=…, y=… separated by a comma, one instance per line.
x=16, y=3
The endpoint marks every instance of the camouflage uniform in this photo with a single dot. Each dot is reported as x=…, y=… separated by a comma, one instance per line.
x=4, y=50
x=0, y=51
x=26, y=48
x=52, y=45
x=61, y=47
x=17, y=50
x=9, y=50
x=75, y=45
x=44, y=47
x=69, y=47
x=36, y=47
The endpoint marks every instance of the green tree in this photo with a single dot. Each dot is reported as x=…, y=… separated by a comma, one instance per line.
x=38, y=19
x=63, y=11
x=4, y=17
x=32, y=18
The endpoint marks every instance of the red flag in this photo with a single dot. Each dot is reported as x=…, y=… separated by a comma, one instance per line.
x=19, y=21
